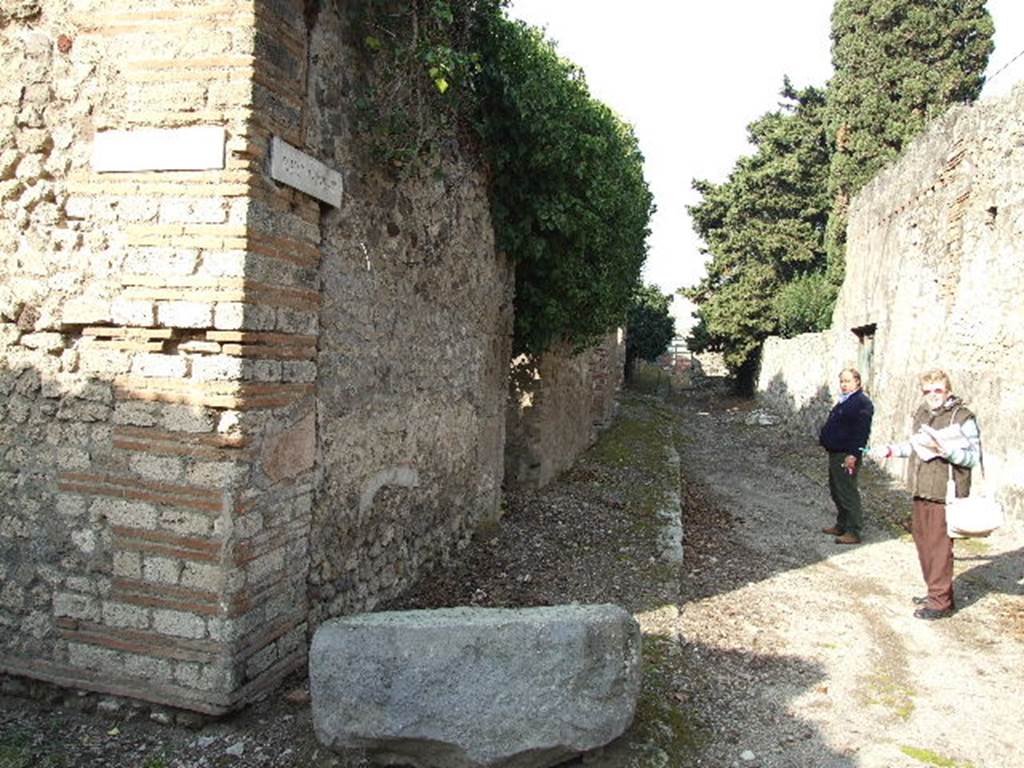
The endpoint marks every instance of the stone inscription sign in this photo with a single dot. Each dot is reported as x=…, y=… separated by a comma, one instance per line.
x=307, y=174
x=197, y=148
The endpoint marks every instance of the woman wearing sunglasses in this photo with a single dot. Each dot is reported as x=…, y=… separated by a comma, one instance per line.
x=957, y=446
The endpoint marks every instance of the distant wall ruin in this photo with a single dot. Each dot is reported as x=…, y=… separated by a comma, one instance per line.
x=934, y=276
x=557, y=406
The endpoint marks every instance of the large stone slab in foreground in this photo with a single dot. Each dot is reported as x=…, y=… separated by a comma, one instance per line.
x=467, y=687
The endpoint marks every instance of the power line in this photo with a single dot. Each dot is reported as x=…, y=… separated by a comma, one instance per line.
x=1003, y=68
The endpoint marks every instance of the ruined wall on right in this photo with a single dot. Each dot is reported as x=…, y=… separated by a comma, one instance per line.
x=934, y=278
x=800, y=376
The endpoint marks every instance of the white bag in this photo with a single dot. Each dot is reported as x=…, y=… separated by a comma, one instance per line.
x=974, y=516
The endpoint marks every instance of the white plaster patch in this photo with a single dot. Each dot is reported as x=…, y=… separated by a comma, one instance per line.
x=405, y=477
x=196, y=148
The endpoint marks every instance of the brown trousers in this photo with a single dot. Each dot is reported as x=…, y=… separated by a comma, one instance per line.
x=934, y=551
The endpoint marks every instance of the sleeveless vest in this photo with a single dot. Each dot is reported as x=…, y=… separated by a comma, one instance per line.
x=928, y=478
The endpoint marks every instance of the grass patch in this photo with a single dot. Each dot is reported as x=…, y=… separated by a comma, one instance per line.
x=886, y=690
x=974, y=546
x=931, y=758
x=661, y=720
x=15, y=750
x=649, y=379
x=638, y=445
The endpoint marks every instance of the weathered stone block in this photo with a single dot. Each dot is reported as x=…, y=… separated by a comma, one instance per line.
x=162, y=261
x=85, y=541
x=185, y=523
x=290, y=452
x=201, y=576
x=224, y=263
x=185, y=314
x=217, y=474
x=185, y=211
x=76, y=606
x=72, y=409
x=179, y=624
x=128, y=565
x=161, y=570
x=133, y=313
x=157, y=468
x=119, y=512
x=468, y=687
x=105, y=362
x=186, y=418
x=135, y=413
x=301, y=371
x=71, y=457
x=233, y=316
x=137, y=209
x=70, y=506
x=122, y=615
x=160, y=366
x=216, y=368
x=295, y=321
x=12, y=596
x=44, y=342
x=78, y=207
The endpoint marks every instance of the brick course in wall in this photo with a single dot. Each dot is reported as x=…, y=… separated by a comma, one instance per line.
x=160, y=329
x=227, y=411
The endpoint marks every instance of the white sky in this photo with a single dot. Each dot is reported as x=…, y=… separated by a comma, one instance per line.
x=690, y=76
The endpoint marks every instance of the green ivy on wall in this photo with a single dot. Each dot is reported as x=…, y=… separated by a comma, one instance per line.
x=569, y=202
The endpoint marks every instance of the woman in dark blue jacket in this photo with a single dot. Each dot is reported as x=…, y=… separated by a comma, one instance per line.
x=844, y=436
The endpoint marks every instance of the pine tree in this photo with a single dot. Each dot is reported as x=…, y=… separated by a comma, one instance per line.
x=898, y=63
x=764, y=231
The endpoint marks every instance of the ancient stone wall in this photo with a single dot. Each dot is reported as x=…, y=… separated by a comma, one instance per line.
x=137, y=559
x=413, y=354
x=202, y=369
x=934, y=277
x=556, y=407
x=800, y=376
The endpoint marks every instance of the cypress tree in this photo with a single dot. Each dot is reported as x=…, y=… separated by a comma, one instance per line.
x=898, y=63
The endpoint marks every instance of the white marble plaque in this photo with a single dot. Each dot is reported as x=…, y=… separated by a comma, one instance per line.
x=307, y=174
x=197, y=148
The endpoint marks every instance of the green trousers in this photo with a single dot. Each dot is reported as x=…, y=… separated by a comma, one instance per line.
x=843, y=487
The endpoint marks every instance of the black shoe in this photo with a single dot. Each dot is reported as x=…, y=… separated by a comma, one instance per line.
x=919, y=600
x=930, y=614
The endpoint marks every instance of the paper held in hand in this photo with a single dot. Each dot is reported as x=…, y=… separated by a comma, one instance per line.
x=929, y=443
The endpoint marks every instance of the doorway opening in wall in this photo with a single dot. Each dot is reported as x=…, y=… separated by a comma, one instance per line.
x=865, y=353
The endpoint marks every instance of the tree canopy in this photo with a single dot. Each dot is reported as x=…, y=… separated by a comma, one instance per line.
x=763, y=229
x=569, y=201
x=650, y=326
x=898, y=63
x=775, y=230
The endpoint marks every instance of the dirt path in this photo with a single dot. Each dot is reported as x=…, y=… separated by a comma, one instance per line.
x=769, y=646
x=814, y=656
